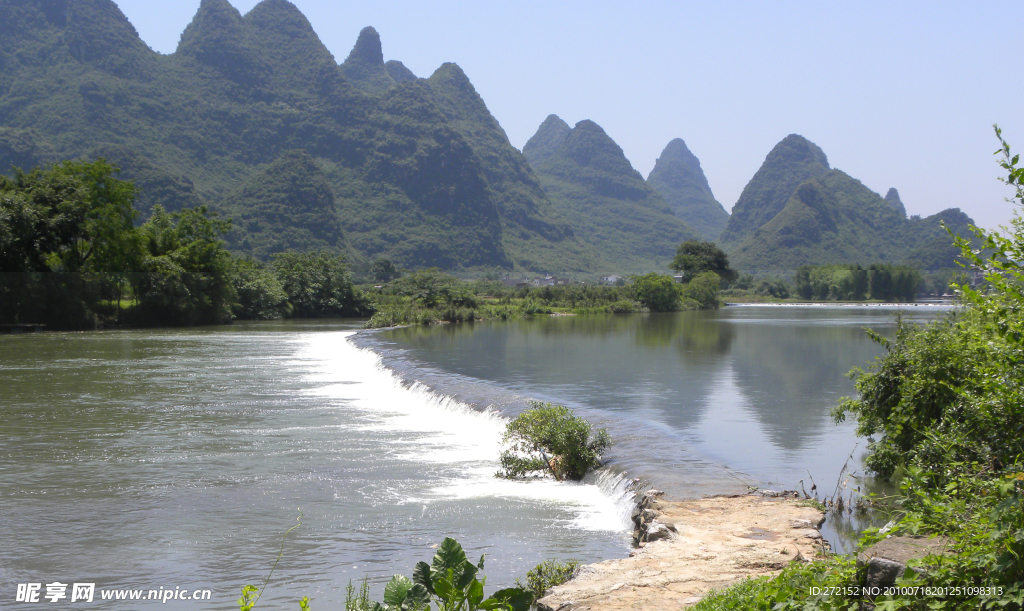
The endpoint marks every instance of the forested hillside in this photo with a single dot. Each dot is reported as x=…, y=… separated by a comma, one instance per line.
x=612, y=209
x=254, y=117
x=417, y=169
x=797, y=211
x=678, y=177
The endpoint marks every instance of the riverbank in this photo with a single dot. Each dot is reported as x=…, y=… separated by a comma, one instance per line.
x=714, y=542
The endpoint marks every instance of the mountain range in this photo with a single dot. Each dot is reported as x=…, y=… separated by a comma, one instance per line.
x=253, y=116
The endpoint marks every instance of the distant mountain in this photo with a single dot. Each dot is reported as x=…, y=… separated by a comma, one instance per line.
x=253, y=115
x=833, y=218
x=792, y=162
x=547, y=141
x=893, y=199
x=930, y=246
x=829, y=219
x=534, y=233
x=609, y=205
x=678, y=177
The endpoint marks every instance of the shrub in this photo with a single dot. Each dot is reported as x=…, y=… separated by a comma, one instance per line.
x=450, y=582
x=704, y=290
x=547, y=575
x=658, y=293
x=548, y=436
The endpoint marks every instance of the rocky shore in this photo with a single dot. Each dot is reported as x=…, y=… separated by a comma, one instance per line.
x=686, y=548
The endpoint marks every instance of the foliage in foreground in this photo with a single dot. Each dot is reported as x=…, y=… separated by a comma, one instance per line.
x=547, y=436
x=451, y=582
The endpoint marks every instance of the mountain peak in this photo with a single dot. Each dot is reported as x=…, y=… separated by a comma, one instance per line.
x=893, y=199
x=96, y=32
x=364, y=67
x=609, y=205
x=791, y=162
x=589, y=145
x=282, y=37
x=677, y=149
x=547, y=140
x=678, y=177
x=368, y=48
x=217, y=37
x=216, y=20
x=794, y=148
x=398, y=72
x=451, y=74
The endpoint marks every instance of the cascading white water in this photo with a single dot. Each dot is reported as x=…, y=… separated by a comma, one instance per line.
x=437, y=430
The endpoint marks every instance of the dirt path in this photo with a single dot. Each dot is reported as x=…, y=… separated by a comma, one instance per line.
x=720, y=540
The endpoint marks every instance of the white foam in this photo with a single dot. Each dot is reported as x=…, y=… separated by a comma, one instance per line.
x=445, y=432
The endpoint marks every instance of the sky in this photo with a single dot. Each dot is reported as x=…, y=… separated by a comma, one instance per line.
x=897, y=94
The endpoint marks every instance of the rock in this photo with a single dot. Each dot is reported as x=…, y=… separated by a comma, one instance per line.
x=808, y=533
x=657, y=531
x=887, y=560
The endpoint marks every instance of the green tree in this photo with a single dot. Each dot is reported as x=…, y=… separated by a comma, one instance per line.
x=73, y=217
x=432, y=288
x=694, y=257
x=657, y=292
x=318, y=285
x=260, y=295
x=703, y=290
x=384, y=270
x=185, y=277
x=547, y=436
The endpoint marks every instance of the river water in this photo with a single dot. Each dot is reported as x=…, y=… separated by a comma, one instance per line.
x=179, y=458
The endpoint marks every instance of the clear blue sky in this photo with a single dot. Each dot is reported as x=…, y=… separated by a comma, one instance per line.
x=897, y=94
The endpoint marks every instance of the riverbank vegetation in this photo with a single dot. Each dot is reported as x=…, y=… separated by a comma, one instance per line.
x=71, y=257
x=944, y=412
x=430, y=296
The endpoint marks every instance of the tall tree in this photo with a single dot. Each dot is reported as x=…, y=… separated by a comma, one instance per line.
x=695, y=257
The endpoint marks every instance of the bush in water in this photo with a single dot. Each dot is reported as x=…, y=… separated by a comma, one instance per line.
x=551, y=437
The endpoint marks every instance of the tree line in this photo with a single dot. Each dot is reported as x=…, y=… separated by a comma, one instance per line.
x=71, y=257
x=852, y=282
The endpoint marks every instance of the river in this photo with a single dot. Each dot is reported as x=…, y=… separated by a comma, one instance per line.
x=150, y=459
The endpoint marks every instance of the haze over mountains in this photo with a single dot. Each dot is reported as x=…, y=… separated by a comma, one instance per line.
x=255, y=117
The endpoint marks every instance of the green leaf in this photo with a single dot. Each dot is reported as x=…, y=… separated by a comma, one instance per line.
x=468, y=574
x=450, y=555
x=518, y=599
x=396, y=590
x=421, y=576
x=443, y=588
x=475, y=594
x=418, y=596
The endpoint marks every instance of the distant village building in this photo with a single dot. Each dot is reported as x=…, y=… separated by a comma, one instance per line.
x=612, y=279
x=515, y=281
x=550, y=280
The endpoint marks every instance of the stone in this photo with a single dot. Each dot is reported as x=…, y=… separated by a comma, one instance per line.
x=657, y=531
x=887, y=560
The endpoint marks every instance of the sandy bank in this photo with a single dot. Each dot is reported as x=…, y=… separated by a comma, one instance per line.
x=720, y=540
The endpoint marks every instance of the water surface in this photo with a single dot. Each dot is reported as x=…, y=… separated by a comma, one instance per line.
x=141, y=459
